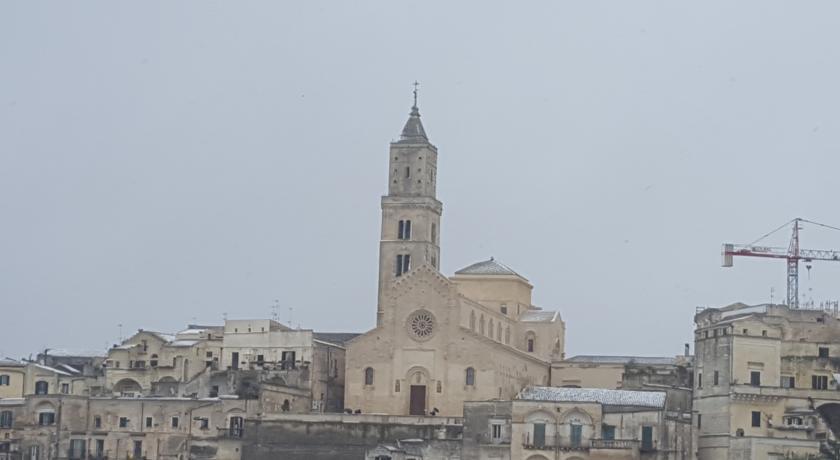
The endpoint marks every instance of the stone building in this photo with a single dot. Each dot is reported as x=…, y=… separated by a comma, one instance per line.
x=766, y=381
x=545, y=423
x=25, y=378
x=77, y=427
x=438, y=340
x=152, y=362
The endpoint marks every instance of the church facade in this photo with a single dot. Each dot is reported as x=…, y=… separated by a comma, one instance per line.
x=438, y=340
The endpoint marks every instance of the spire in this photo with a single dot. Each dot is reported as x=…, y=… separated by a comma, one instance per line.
x=413, y=131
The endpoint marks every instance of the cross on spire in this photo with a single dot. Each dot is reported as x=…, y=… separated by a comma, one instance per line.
x=416, y=87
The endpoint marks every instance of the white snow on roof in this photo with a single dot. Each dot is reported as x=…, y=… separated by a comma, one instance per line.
x=539, y=316
x=182, y=343
x=645, y=360
x=66, y=352
x=653, y=399
x=51, y=369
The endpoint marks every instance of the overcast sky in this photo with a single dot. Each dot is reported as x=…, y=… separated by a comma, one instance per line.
x=163, y=163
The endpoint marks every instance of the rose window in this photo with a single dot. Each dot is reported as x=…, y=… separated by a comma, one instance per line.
x=421, y=324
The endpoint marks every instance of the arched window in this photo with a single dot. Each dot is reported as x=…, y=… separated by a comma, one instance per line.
x=439, y=387
x=490, y=329
x=42, y=387
x=499, y=332
x=286, y=405
x=153, y=362
x=530, y=342
x=481, y=325
x=472, y=321
x=369, y=376
x=470, y=376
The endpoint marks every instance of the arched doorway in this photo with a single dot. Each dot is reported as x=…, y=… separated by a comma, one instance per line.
x=127, y=387
x=418, y=395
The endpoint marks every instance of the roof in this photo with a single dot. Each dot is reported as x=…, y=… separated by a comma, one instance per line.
x=51, y=369
x=652, y=399
x=72, y=353
x=649, y=360
x=539, y=316
x=413, y=131
x=488, y=267
x=9, y=362
x=338, y=338
x=182, y=343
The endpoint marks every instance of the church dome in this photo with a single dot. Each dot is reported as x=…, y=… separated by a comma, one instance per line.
x=488, y=267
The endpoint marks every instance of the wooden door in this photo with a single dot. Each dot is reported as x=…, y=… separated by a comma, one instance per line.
x=417, y=404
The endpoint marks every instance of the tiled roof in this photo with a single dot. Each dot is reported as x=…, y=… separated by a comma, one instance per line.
x=488, y=267
x=649, y=360
x=539, y=316
x=653, y=399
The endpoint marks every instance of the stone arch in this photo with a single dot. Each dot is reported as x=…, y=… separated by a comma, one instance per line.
x=540, y=416
x=830, y=412
x=530, y=341
x=418, y=375
x=576, y=415
x=127, y=385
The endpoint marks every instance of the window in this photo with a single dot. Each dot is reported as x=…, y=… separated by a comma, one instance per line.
x=699, y=421
x=764, y=333
x=6, y=419
x=530, y=345
x=490, y=329
x=234, y=360
x=204, y=423
x=499, y=332
x=260, y=359
x=149, y=422
x=503, y=309
x=608, y=432
x=539, y=435
x=472, y=321
x=236, y=427
x=403, y=264
x=407, y=172
x=439, y=387
x=4, y=379
x=575, y=434
x=153, y=361
x=97, y=421
x=507, y=335
x=404, y=230
x=175, y=422
x=209, y=354
x=699, y=380
x=369, y=376
x=396, y=386
x=42, y=387
x=100, y=448
x=756, y=419
x=755, y=378
x=746, y=332
x=716, y=378
x=481, y=325
x=706, y=334
x=819, y=382
x=46, y=418
x=288, y=359
x=496, y=431
x=788, y=382
x=65, y=388
x=470, y=377
x=647, y=438
x=823, y=352
x=434, y=233
x=77, y=449
x=124, y=422
x=214, y=391
x=138, y=449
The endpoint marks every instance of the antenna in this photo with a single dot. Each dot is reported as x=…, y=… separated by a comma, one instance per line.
x=120, y=328
x=275, y=311
x=291, y=309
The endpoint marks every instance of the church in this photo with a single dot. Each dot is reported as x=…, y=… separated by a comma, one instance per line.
x=440, y=341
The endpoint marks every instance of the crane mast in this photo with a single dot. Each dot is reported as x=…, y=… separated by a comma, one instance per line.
x=792, y=254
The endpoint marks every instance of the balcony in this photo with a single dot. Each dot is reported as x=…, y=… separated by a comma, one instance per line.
x=615, y=444
x=558, y=444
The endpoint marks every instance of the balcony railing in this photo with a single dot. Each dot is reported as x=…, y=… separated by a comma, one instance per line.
x=556, y=445
x=614, y=443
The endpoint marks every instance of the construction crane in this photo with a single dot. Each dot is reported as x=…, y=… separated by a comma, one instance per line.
x=793, y=254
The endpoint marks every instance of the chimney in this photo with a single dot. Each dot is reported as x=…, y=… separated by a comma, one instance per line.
x=687, y=350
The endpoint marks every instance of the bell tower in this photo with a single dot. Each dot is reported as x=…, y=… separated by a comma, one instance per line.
x=411, y=213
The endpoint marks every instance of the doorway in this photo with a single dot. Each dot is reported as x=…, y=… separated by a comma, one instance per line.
x=417, y=403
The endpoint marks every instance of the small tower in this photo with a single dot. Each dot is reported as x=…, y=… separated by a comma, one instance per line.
x=410, y=212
